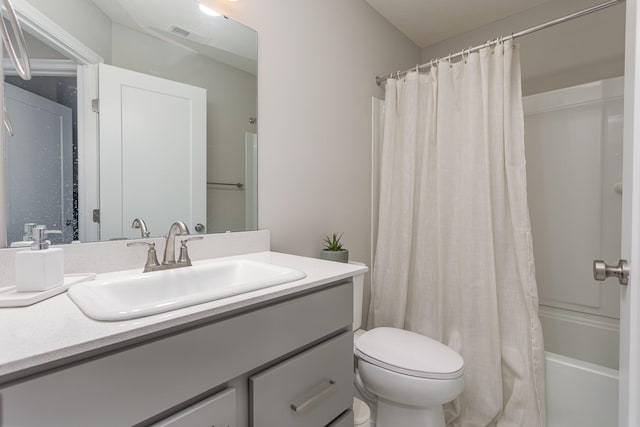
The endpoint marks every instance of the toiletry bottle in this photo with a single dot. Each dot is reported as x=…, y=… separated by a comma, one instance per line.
x=40, y=268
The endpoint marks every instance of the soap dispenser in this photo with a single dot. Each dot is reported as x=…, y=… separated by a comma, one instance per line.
x=40, y=268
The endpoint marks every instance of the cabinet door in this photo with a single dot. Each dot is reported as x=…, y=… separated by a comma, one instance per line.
x=310, y=389
x=216, y=411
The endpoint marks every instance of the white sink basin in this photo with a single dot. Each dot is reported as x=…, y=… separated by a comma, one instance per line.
x=137, y=295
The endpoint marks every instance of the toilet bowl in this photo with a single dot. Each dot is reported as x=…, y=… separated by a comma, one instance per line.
x=409, y=376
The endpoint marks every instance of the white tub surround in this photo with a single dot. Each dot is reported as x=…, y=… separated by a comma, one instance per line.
x=574, y=179
x=55, y=332
x=571, y=383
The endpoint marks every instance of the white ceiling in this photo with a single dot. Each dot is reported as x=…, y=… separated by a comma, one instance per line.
x=430, y=21
x=217, y=37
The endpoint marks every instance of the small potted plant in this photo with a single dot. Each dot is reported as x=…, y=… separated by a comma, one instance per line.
x=333, y=250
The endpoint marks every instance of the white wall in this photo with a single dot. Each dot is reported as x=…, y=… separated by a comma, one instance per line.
x=583, y=50
x=573, y=144
x=318, y=62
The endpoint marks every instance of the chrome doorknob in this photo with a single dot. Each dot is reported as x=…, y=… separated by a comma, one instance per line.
x=602, y=270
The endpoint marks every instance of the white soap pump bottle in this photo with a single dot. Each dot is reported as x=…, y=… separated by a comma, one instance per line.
x=40, y=268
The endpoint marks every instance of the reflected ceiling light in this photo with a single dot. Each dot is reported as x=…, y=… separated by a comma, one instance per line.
x=207, y=10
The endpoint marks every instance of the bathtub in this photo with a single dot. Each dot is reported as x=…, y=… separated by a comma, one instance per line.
x=580, y=394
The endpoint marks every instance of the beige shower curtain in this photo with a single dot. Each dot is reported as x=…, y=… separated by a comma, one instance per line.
x=454, y=256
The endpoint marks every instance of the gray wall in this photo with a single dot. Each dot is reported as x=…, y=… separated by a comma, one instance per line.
x=37, y=49
x=318, y=62
x=94, y=27
x=586, y=49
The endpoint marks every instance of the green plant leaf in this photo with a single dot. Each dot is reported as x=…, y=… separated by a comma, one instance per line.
x=333, y=243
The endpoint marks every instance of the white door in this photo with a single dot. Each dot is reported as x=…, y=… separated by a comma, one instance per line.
x=152, y=153
x=39, y=164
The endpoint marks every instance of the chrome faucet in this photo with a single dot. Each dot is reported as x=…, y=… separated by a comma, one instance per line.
x=144, y=230
x=178, y=228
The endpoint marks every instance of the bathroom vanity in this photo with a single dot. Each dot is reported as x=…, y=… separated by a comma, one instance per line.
x=280, y=356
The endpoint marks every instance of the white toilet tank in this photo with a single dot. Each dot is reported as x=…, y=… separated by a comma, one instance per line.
x=358, y=290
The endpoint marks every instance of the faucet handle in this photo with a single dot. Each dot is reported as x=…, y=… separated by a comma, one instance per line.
x=183, y=258
x=152, y=258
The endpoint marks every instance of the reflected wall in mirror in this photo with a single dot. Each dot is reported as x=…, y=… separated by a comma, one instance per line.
x=137, y=109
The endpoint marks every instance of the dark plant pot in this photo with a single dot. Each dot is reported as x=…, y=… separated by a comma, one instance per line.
x=338, y=256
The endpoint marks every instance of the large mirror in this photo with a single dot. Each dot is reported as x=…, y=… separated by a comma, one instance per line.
x=139, y=113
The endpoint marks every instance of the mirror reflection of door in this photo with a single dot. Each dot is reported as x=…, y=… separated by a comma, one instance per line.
x=153, y=153
x=39, y=165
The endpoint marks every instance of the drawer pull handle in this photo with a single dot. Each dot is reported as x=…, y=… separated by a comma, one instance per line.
x=299, y=407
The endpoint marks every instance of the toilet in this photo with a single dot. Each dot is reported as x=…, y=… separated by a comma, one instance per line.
x=407, y=375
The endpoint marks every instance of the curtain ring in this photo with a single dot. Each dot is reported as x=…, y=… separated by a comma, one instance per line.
x=449, y=60
x=487, y=45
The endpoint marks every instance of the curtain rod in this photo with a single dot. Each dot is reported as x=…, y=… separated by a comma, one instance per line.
x=530, y=30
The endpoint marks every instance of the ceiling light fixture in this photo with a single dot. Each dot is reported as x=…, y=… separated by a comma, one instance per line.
x=207, y=10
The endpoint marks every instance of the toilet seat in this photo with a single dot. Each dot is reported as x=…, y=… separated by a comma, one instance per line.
x=408, y=353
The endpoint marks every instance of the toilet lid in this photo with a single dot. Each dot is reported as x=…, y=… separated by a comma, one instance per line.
x=409, y=353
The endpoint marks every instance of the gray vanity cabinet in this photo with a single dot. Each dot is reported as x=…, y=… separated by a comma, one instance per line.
x=199, y=375
x=309, y=389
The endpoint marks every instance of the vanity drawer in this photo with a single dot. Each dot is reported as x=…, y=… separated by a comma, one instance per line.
x=216, y=411
x=309, y=390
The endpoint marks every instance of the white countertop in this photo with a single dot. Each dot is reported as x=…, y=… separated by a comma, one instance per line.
x=56, y=329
